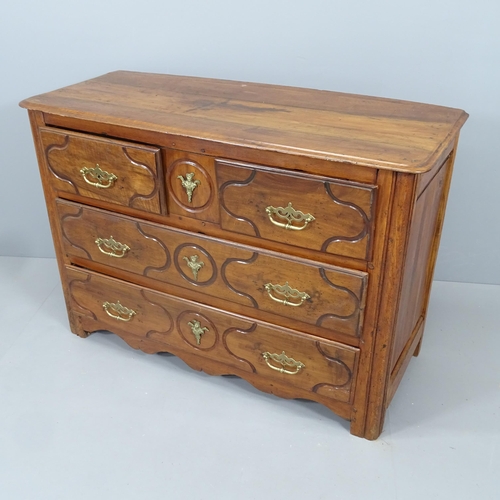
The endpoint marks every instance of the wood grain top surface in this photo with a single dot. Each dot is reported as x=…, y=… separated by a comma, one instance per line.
x=368, y=131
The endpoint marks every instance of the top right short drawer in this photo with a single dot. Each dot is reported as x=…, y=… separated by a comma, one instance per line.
x=317, y=213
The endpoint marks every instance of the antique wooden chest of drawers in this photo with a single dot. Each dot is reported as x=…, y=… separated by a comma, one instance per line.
x=287, y=236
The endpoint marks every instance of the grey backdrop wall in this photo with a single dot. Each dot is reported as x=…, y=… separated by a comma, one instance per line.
x=436, y=51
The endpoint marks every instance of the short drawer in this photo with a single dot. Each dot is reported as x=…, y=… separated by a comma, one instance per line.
x=95, y=167
x=159, y=320
x=304, y=211
x=326, y=296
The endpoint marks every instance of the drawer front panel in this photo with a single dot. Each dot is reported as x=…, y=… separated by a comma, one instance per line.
x=191, y=188
x=114, y=171
x=329, y=297
x=319, y=366
x=314, y=213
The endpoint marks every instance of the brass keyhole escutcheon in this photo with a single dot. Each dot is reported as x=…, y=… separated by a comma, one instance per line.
x=189, y=184
x=197, y=330
x=194, y=264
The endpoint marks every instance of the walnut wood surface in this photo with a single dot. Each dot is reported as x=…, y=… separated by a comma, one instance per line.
x=135, y=166
x=161, y=321
x=383, y=133
x=204, y=204
x=392, y=259
x=342, y=211
x=214, y=230
x=386, y=182
x=231, y=272
x=295, y=162
x=413, y=288
x=404, y=359
x=375, y=173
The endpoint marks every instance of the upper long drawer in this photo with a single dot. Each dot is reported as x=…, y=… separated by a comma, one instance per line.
x=305, y=211
x=115, y=171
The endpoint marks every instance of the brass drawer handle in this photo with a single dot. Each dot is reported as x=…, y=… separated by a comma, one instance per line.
x=118, y=311
x=288, y=292
x=116, y=249
x=284, y=361
x=197, y=330
x=194, y=264
x=290, y=215
x=102, y=178
x=188, y=184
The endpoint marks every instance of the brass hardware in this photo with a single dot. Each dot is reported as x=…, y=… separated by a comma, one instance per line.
x=122, y=313
x=105, y=180
x=194, y=265
x=188, y=184
x=288, y=292
x=197, y=330
x=284, y=361
x=117, y=249
x=291, y=215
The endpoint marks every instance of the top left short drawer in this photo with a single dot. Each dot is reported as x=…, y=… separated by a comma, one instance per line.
x=104, y=169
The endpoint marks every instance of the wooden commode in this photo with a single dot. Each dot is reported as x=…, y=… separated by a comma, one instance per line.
x=284, y=235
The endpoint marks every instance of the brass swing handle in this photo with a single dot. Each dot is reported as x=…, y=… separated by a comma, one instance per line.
x=283, y=360
x=119, y=312
x=290, y=215
x=109, y=246
x=292, y=297
x=98, y=178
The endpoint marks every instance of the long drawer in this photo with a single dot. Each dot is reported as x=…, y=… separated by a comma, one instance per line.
x=315, y=365
x=328, y=297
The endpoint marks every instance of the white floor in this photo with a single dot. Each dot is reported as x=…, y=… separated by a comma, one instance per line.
x=94, y=419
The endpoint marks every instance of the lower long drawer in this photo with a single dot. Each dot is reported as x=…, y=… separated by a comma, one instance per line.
x=308, y=363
